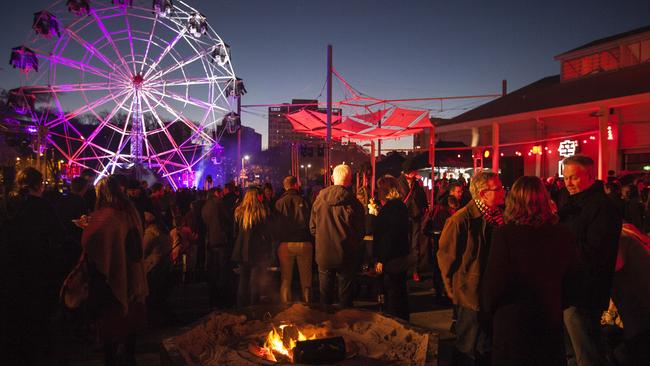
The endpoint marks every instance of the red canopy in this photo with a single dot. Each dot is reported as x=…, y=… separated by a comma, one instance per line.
x=395, y=122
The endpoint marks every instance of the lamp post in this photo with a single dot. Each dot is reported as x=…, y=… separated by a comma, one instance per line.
x=306, y=170
x=242, y=173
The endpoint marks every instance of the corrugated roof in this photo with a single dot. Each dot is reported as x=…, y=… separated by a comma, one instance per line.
x=549, y=92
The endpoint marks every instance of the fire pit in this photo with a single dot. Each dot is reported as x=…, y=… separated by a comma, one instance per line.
x=301, y=334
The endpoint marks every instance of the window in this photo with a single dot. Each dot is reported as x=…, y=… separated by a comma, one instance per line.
x=590, y=64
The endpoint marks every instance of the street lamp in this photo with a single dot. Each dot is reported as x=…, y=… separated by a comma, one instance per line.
x=306, y=167
x=242, y=173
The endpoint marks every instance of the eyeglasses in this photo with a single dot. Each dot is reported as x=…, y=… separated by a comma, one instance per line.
x=500, y=189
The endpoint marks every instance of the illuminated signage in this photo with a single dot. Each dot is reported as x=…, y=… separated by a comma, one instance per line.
x=610, y=133
x=567, y=148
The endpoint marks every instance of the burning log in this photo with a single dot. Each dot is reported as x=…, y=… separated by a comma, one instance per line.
x=317, y=351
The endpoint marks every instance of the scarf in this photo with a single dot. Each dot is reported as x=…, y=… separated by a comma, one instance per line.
x=493, y=216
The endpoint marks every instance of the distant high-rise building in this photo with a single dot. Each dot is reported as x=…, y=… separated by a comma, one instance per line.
x=280, y=130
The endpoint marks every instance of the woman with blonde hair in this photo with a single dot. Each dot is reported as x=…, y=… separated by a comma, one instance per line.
x=252, y=249
x=529, y=268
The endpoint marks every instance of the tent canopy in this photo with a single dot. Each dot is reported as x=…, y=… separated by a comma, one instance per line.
x=386, y=123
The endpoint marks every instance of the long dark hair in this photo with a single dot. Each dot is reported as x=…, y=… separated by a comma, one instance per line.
x=28, y=179
x=528, y=203
x=109, y=194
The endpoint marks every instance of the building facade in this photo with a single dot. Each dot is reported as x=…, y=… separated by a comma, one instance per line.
x=599, y=105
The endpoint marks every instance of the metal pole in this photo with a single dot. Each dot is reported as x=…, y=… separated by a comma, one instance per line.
x=373, y=164
x=432, y=162
x=496, y=154
x=238, y=171
x=603, y=154
x=328, y=142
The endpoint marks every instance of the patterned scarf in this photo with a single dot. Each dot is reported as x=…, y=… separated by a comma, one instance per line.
x=493, y=216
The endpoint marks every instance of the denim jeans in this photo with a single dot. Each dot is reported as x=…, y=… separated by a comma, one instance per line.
x=583, y=344
x=345, y=279
x=288, y=253
x=473, y=336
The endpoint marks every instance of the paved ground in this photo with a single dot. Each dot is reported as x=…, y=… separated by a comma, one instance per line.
x=190, y=302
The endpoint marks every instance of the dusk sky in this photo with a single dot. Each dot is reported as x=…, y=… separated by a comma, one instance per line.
x=385, y=48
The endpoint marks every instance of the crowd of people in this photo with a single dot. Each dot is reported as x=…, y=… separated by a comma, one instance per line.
x=529, y=273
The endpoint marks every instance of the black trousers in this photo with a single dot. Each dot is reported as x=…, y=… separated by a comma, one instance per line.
x=396, y=296
x=220, y=278
x=327, y=281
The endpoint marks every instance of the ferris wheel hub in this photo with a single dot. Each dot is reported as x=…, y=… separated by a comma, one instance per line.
x=138, y=80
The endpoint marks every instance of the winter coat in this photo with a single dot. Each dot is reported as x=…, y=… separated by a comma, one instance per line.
x=32, y=271
x=464, y=245
x=414, y=197
x=391, y=236
x=252, y=245
x=337, y=222
x=631, y=288
x=292, y=220
x=528, y=271
x=596, y=222
x=218, y=222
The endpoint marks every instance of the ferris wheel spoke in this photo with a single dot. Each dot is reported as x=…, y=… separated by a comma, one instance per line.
x=87, y=158
x=184, y=120
x=190, y=81
x=73, y=64
x=56, y=146
x=85, y=108
x=124, y=136
x=146, y=52
x=162, y=126
x=107, y=35
x=165, y=52
x=195, y=102
x=67, y=88
x=130, y=35
x=95, y=52
x=162, y=167
x=180, y=64
x=92, y=147
x=102, y=124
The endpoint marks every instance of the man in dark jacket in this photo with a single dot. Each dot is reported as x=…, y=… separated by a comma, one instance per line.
x=293, y=212
x=219, y=224
x=415, y=199
x=462, y=257
x=597, y=224
x=337, y=222
x=32, y=271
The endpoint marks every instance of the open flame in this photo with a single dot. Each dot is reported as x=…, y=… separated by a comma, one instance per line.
x=280, y=342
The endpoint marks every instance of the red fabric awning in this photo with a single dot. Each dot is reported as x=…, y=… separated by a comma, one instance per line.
x=395, y=122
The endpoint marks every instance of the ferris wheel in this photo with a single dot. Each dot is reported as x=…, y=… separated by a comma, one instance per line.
x=114, y=84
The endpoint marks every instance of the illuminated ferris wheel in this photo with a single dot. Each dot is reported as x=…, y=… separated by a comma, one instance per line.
x=113, y=84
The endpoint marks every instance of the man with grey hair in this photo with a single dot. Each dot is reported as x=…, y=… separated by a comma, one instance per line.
x=337, y=223
x=462, y=257
x=594, y=219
